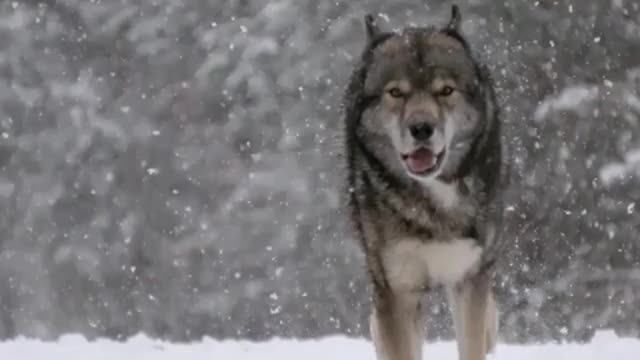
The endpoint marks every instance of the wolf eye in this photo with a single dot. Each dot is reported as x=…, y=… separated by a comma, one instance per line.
x=395, y=92
x=446, y=91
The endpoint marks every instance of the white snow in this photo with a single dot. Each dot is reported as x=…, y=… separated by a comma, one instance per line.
x=604, y=346
x=570, y=98
x=615, y=171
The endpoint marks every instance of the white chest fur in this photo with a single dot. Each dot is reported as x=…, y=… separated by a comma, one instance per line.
x=411, y=264
x=446, y=195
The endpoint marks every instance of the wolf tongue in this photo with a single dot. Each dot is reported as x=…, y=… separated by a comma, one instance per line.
x=421, y=160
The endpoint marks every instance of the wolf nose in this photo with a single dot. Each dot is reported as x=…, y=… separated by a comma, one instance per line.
x=421, y=131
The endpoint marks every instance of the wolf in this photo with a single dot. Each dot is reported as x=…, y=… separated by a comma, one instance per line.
x=424, y=172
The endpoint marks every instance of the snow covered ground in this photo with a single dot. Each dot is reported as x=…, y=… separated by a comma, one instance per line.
x=604, y=346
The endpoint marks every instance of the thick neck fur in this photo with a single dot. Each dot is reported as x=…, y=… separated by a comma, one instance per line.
x=411, y=200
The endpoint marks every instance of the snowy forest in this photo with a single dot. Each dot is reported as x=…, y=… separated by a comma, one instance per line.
x=170, y=167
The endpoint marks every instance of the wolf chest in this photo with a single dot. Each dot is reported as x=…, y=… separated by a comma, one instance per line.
x=413, y=264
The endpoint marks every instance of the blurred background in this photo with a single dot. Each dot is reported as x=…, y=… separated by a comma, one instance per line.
x=170, y=166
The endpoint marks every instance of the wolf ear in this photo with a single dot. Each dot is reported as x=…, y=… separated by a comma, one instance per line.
x=456, y=19
x=372, y=27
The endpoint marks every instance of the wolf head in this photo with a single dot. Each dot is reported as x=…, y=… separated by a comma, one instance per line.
x=423, y=99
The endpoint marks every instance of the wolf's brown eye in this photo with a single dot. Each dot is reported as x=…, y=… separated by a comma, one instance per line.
x=395, y=92
x=446, y=91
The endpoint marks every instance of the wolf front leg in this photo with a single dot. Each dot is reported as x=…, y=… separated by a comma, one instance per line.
x=474, y=317
x=492, y=323
x=396, y=325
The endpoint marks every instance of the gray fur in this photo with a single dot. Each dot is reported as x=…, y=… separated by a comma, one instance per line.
x=371, y=26
x=389, y=205
x=454, y=22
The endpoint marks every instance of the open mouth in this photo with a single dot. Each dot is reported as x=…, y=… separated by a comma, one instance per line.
x=422, y=161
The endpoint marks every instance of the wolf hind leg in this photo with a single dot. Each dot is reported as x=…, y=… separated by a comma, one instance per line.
x=396, y=326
